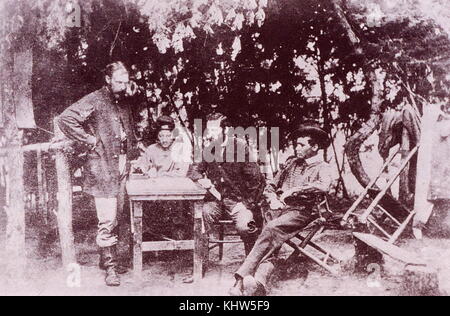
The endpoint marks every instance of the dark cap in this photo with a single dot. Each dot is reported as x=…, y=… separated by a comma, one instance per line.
x=165, y=123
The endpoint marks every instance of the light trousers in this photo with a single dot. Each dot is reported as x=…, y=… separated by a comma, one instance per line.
x=108, y=210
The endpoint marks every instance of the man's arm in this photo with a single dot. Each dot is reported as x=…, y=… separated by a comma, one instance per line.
x=180, y=161
x=180, y=169
x=177, y=170
x=197, y=171
x=71, y=123
x=144, y=162
x=321, y=184
x=270, y=192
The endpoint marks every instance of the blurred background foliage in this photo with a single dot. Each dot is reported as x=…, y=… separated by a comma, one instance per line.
x=261, y=62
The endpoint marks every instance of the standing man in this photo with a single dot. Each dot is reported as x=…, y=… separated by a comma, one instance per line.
x=292, y=197
x=102, y=122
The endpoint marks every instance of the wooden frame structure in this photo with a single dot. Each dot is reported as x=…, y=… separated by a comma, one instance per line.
x=306, y=246
x=392, y=209
x=141, y=190
x=394, y=219
x=63, y=192
x=220, y=243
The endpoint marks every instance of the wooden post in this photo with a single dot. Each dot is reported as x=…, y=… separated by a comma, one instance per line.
x=200, y=242
x=404, y=192
x=40, y=191
x=137, y=214
x=64, y=196
x=15, y=211
x=15, y=192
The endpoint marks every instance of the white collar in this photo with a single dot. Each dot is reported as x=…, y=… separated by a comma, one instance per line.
x=164, y=149
x=314, y=160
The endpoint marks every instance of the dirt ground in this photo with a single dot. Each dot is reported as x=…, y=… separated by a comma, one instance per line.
x=164, y=273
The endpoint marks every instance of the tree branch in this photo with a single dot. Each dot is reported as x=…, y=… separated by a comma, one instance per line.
x=115, y=40
x=354, y=40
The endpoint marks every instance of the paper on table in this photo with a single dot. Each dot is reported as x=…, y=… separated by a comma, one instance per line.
x=141, y=185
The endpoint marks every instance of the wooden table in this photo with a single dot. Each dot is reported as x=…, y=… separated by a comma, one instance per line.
x=141, y=189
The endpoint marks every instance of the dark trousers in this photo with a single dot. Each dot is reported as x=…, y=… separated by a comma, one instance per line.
x=274, y=235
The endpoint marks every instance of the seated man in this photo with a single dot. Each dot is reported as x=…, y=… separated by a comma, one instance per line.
x=305, y=175
x=235, y=187
x=163, y=159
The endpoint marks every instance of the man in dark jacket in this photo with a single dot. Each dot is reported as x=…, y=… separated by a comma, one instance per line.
x=235, y=187
x=102, y=122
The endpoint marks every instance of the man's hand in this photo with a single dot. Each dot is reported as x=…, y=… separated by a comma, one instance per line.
x=205, y=183
x=152, y=173
x=132, y=89
x=292, y=191
x=136, y=170
x=288, y=193
x=91, y=142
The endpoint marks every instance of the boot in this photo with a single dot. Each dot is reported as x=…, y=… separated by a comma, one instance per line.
x=238, y=288
x=120, y=268
x=252, y=287
x=110, y=261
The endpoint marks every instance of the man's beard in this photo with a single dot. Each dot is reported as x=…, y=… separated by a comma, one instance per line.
x=119, y=95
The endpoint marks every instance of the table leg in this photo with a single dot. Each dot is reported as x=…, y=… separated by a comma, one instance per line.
x=137, y=240
x=131, y=236
x=200, y=242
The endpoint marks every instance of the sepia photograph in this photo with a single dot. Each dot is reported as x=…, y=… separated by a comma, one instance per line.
x=224, y=153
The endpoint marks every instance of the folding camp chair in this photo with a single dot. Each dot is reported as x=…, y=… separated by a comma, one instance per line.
x=305, y=245
x=386, y=217
x=398, y=214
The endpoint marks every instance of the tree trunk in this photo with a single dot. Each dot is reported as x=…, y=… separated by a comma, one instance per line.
x=15, y=205
x=355, y=142
x=353, y=146
x=324, y=96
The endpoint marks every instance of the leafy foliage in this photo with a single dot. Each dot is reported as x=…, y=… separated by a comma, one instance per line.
x=263, y=63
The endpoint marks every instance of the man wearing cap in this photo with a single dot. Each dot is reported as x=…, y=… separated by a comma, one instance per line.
x=165, y=158
x=305, y=175
x=102, y=123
